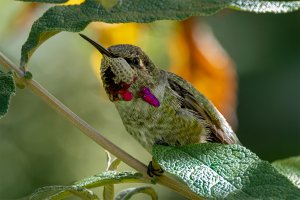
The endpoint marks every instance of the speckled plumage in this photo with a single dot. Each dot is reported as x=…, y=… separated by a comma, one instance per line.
x=166, y=123
x=183, y=115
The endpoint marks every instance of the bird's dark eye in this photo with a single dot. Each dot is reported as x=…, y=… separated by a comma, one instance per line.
x=135, y=61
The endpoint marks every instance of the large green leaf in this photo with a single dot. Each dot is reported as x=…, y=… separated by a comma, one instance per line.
x=7, y=89
x=225, y=171
x=80, y=188
x=290, y=168
x=75, y=18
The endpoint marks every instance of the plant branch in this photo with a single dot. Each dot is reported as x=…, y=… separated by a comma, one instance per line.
x=93, y=134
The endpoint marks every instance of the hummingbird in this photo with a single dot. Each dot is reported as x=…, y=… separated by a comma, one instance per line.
x=157, y=106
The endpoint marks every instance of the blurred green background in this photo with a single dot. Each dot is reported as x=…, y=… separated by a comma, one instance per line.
x=38, y=147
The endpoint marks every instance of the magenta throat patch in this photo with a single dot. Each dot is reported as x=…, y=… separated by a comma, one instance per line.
x=147, y=96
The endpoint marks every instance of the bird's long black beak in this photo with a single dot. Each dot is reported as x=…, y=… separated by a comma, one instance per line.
x=98, y=46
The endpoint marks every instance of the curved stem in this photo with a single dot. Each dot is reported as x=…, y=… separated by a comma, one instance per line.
x=93, y=134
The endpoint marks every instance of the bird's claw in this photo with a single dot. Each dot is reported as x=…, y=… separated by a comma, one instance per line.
x=154, y=169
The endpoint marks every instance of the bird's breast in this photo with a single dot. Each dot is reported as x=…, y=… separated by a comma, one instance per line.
x=149, y=124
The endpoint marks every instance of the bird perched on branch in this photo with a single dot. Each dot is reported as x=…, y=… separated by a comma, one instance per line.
x=156, y=106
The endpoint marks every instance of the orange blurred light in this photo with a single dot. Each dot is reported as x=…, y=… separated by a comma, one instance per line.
x=198, y=57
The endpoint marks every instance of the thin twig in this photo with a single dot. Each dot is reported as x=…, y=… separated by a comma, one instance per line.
x=9, y=65
x=93, y=134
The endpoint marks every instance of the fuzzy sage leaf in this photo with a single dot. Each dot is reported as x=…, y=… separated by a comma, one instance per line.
x=290, y=168
x=59, y=192
x=75, y=18
x=80, y=188
x=7, y=89
x=225, y=171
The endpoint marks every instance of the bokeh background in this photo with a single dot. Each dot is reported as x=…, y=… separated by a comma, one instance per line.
x=38, y=147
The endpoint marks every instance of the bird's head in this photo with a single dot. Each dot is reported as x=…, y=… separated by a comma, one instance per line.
x=126, y=71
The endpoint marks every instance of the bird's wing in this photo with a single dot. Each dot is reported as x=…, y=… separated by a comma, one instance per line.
x=193, y=100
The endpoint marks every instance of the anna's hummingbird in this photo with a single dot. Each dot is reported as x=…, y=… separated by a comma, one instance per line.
x=157, y=106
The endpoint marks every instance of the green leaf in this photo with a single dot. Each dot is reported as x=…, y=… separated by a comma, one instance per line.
x=112, y=164
x=110, y=177
x=265, y=6
x=128, y=193
x=79, y=188
x=7, y=89
x=224, y=171
x=54, y=193
x=290, y=168
x=75, y=18
x=46, y=1
x=108, y=192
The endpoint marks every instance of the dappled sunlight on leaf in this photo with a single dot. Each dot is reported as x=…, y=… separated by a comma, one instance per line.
x=74, y=2
x=198, y=57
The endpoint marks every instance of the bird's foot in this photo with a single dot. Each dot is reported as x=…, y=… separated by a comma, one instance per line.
x=154, y=169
